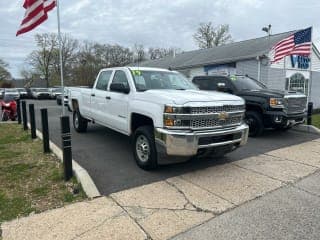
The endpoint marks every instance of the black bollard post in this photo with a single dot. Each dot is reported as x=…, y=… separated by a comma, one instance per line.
x=66, y=147
x=45, y=130
x=18, y=111
x=32, y=121
x=24, y=115
x=309, y=116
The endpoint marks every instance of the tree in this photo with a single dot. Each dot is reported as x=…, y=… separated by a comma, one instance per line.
x=69, y=47
x=139, y=53
x=158, y=53
x=208, y=36
x=4, y=73
x=42, y=60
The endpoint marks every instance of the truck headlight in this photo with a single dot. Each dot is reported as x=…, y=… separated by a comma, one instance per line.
x=175, y=110
x=276, y=102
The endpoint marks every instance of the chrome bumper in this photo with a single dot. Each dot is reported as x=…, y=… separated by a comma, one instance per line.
x=186, y=143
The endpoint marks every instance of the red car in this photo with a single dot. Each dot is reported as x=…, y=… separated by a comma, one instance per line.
x=8, y=108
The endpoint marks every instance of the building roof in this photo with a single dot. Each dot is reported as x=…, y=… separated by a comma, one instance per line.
x=217, y=55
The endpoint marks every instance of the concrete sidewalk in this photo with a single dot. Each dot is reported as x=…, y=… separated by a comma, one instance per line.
x=271, y=196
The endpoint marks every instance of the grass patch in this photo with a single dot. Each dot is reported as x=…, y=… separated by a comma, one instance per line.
x=30, y=181
x=316, y=120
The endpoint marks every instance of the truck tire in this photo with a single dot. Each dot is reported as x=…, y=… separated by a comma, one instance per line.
x=144, y=148
x=255, y=123
x=80, y=124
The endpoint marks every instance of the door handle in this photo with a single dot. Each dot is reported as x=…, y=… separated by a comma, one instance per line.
x=108, y=98
x=93, y=95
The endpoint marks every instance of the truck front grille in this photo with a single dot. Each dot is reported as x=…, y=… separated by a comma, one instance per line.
x=215, y=122
x=217, y=109
x=296, y=105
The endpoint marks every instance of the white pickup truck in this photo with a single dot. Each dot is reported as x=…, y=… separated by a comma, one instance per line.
x=169, y=119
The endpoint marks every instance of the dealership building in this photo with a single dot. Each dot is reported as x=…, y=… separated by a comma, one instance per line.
x=251, y=57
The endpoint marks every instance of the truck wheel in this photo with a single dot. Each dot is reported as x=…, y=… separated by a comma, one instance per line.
x=80, y=124
x=255, y=123
x=144, y=148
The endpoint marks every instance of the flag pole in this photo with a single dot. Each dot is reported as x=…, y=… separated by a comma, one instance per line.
x=310, y=70
x=60, y=56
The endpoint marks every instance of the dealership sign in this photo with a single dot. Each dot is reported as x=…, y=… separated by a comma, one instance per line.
x=300, y=62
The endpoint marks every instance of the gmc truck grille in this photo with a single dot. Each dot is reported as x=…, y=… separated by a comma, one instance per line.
x=216, y=109
x=296, y=105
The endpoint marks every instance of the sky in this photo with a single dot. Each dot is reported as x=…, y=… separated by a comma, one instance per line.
x=153, y=23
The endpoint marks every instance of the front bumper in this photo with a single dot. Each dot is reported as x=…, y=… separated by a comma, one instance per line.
x=283, y=118
x=188, y=143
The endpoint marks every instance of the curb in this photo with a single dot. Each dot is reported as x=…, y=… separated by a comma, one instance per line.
x=8, y=122
x=307, y=128
x=81, y=174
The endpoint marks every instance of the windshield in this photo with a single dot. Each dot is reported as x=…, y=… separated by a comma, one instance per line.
x=245, y=83
x=146, y=80
x=11, y=91
x=41, y=90
x=8, y=98
x=57, y=90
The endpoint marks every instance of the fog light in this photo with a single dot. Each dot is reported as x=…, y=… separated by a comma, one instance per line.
x=169, y=122
x=278, y=119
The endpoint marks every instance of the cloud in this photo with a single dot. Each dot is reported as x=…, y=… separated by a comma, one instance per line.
x=162, y=23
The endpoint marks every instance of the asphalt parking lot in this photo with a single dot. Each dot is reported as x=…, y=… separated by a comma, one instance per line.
x=107, y=157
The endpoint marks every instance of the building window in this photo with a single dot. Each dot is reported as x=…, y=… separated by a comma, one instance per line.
x=297, y=82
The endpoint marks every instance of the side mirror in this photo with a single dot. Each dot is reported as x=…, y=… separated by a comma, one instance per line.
x=119, y=87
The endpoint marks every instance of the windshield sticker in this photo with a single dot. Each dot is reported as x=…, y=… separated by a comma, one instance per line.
x=136, y=72
x=233, y=78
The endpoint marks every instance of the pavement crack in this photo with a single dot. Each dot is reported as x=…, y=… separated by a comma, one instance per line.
x=260, y=173
x=306, y=191
x=290, y=160
x=205, y=189
x=188, y=201
x=98, y=226
x=133, y=219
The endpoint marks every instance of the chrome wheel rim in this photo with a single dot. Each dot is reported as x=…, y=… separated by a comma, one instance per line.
x=76, y=121
x=142, y=148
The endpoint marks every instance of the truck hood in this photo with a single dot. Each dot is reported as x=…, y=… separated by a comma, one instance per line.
x=183, y=97
x=268, y=93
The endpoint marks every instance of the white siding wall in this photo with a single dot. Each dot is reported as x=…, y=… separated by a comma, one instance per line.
x=315, y=62
x=315, y=89
x=250, y=68
x=196, y=72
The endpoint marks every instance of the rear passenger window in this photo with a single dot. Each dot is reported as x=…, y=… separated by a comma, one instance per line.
x=212, y=83
x=205, y=84
x=103, y=80
x=120, y=77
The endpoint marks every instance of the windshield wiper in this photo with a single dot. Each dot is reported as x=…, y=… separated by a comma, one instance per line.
x=182, y=89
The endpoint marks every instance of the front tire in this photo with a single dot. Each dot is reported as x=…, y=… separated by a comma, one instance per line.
x=255, y=123
x=144, y=148
x=80, y=124
x=5, y=117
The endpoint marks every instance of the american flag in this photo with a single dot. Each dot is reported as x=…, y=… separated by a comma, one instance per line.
x=298, y=43
x=36, y=13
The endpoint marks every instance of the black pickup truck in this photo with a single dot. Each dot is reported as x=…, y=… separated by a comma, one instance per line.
x=265, y=108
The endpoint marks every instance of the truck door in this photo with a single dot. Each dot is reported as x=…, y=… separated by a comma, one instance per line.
x=99, y=101
x=118, y=103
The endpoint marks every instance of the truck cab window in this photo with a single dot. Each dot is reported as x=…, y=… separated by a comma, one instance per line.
x=120, y=77
x=103, y=80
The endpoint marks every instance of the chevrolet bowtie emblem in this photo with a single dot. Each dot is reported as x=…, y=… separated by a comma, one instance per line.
x=223, y=116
